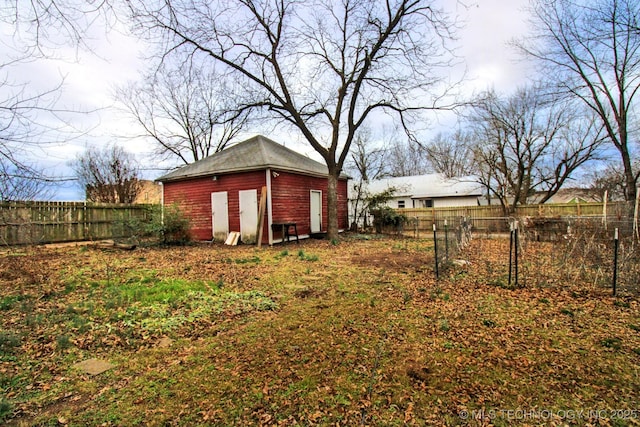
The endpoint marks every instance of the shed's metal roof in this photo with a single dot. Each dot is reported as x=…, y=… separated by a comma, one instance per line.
x=256, y=153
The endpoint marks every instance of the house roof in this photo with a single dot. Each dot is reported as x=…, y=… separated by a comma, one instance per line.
x=256, y=153
x=430, y=186
x=569, y=195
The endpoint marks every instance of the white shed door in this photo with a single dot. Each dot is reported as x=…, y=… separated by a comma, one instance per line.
x=220, y=215
x=316, y=211
x=248, y=215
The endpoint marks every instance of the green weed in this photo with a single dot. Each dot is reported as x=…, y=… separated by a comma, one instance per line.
x=8, y=302
x=438, y=293
x=165, y=291
x=6, y=408
x=282, y=254
x=249, y=260
x=622, y=303
x=406, y=297
x=567, y=312
x=9, y=342
x=305, y=257
x=63, y=342
x=612, y=343
x=489, y=323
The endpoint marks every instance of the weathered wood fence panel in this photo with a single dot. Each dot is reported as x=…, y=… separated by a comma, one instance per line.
x=492, y=219
x=52, y=222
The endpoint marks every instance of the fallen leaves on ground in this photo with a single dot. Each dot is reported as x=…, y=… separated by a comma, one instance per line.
x=359, y=333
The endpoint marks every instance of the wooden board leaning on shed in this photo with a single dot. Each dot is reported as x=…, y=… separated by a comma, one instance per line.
x=232, y=238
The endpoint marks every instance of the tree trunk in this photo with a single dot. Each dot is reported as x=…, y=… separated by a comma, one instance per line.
x=629, y=175
x=332, y=205
x=630, y=179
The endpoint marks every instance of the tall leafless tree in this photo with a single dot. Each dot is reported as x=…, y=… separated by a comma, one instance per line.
x=530, y=142
x=324, y=67
x=452, y=154
x=187, y=112
x=591, y=49
x=108, y=175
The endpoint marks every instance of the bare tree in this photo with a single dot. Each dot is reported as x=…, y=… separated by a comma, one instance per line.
x=367, y=162
x=108, y=175
x=22, y=182
x=42, y=26
x=20, y=135
x=529, y=143
x=324, y=67
x=186, y=112
x=452, y=154
x=609, y=179
x=29, y=119
x=591, y=49
x=406, y=158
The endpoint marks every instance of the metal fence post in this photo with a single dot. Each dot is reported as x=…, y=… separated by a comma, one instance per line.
x=616, y=245
x=510, y=252
x=446, y=241
x=435, y=249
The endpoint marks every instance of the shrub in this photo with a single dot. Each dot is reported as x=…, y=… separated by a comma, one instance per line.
x=170, y=226
x=136, y=228
x=385, y=216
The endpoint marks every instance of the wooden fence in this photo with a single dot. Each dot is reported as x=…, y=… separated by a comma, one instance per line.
x=52, y=222
x=492, y=218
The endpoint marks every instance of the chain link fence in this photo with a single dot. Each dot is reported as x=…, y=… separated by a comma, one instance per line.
x=597, y=253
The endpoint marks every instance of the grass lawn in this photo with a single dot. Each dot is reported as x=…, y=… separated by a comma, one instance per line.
x=358, y=333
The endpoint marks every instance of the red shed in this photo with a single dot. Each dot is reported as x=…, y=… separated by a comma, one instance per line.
x=222, y=193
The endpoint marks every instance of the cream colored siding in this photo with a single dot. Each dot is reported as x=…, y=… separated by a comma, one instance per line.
x=455, y=201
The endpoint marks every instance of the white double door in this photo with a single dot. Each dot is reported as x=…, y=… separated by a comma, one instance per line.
x=248, y=207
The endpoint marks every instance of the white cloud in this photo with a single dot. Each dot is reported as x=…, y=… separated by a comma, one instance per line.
x=491, y=62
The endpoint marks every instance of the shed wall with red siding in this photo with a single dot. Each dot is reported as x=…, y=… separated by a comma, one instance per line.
x=290, y=200
x=193, y=196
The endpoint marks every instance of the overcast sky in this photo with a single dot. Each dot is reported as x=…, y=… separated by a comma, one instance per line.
x=90, y=80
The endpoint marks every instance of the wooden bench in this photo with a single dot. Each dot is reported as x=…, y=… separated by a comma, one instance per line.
x=284, y=228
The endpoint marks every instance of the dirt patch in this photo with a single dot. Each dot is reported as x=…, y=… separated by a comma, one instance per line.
x=309, y=292
x=21, y=268
x=394, y=261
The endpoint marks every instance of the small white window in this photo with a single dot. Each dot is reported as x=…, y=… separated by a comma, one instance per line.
x=400, y=204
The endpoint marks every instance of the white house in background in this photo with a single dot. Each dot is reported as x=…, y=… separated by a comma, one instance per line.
x=429, y=191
